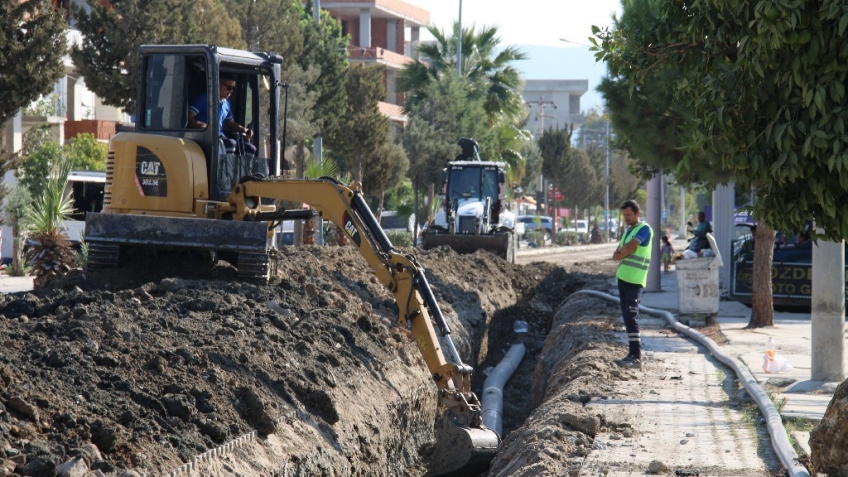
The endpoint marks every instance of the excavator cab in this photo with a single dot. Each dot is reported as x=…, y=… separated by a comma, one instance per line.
x=177, y=78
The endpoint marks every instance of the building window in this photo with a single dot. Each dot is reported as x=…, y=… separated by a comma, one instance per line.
x=573, y=104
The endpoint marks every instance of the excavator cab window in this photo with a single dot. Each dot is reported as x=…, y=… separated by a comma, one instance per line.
x=170, y=81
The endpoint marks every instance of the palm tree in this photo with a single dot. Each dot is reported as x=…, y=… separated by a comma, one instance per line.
x=50, y=254
x=489, y=74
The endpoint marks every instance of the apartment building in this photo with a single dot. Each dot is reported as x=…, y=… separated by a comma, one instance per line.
x=381, y=32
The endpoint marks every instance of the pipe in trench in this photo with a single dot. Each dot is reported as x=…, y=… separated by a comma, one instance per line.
x=779, y=437
x=491, y=405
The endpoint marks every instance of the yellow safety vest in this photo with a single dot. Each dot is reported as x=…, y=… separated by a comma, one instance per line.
x=634, y=267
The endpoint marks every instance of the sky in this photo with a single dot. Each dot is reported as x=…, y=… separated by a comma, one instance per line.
x=536, y=27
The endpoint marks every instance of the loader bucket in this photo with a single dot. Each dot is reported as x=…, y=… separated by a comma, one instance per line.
x=502, y=244
x=461, y=450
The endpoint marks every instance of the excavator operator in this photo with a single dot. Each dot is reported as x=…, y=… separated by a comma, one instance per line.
x=197, y=116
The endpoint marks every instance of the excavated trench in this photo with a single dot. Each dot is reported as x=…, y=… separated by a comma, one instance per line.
x=176, y=367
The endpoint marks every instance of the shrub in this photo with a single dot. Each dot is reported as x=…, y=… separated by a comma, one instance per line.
x=400, y=239
x=566, y=238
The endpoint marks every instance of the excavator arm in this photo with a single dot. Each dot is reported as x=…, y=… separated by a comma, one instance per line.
x=463, y=444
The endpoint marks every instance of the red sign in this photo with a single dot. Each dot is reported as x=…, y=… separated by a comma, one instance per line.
x=551, y=195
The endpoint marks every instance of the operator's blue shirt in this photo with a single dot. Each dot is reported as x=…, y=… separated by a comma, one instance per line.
x=198, y=107
x=643, y=235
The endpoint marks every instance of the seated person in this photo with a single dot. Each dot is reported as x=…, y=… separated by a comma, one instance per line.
x=197, y=116
x=699, y=246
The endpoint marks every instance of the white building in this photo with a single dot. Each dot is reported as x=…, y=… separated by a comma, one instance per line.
x=554, y=103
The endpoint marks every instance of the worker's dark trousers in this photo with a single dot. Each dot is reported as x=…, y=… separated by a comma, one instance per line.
x=630, y=296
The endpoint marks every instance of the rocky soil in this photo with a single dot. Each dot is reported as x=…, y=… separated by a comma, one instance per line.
x=148, y=368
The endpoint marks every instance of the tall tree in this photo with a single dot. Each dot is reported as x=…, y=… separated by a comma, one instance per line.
x=555, y=145
x=489, y=72
x=451, y=114
x=722, y=115
x=324, y=46
x=386, y=170
x=426, y=148
x=365, y=129
x=766, y=89
x=32, y=45
x=580, y=181
x=108, y=56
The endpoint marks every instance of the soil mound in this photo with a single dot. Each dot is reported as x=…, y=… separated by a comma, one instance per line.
x=149, y=366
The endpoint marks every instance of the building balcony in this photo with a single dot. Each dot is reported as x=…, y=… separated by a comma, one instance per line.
x=102, y=130
x=378, y=55
x=392, y=111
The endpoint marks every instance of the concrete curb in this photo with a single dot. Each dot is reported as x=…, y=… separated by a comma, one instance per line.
x=779, y=436
x=529, y=252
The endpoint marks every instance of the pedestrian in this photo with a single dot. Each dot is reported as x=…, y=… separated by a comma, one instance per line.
x=634, y=253
x=667, y=250
x=699, y=243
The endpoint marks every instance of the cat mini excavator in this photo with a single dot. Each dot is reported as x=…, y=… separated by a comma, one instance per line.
x=169, y=186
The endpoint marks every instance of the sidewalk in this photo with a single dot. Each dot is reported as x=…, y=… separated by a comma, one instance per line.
x=14, y=284
x=805, y=399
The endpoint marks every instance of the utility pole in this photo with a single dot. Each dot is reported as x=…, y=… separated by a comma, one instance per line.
x=318, y=149
x=459, y=43
x=541, y=116
x=606, y=182
x=540, y=181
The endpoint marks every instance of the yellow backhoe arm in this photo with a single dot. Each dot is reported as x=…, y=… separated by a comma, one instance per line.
x=466, y=444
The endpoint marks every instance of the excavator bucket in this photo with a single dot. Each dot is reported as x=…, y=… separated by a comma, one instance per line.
x=502, y=244
x=461, y=450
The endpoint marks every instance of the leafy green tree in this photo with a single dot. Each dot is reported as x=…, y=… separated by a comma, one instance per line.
x=426, y=148
x=32, y=45
x=365, y=129
x=385, y=172
x=580, y=182
x=623, y=183
x=555, y=145
x=489, y=72
x=86, y=153
x=16, y=203
x=108, y=56
x=269, y=25
x=38, y=155
x=449, y=113
x=325, y=47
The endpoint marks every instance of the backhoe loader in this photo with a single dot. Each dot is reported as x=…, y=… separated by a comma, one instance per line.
x=473, y=215
x=169, y=186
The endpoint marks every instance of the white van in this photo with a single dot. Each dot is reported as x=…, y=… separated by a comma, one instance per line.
x=86, y=188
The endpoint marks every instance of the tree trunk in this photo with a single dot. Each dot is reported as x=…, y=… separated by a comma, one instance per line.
x=415, y=194
x=431, y=196
x=357, y=168
x=380, y=205
x=300, y=167
x=762, y=304
x=16, y=247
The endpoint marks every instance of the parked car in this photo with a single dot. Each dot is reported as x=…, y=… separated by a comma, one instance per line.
x=530, y=225
x=580, y=227
x=613, y=227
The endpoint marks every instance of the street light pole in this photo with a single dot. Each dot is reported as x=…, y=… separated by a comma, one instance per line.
x=459, y=43
x=606, y=182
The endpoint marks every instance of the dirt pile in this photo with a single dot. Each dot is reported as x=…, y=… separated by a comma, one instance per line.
x=136, y=369
x=829, y=440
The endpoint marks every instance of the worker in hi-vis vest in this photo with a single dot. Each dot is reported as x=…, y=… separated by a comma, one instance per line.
x=634, y=253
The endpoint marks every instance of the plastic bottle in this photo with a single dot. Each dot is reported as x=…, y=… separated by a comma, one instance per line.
x=771, y=347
